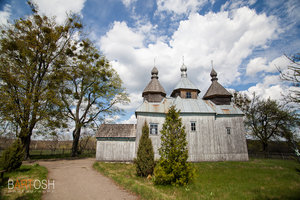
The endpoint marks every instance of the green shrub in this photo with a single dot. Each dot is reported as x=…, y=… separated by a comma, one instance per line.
x=172, y=167
x=13, y=156
x=145, y=155
x=177, y=173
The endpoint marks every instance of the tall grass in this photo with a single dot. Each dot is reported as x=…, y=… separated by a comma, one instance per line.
x=256, y=179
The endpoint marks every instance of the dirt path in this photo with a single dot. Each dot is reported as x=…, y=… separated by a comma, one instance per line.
x=76, y=179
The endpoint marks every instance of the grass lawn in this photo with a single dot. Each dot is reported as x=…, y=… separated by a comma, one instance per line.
x=23, y=191
x=256, y=179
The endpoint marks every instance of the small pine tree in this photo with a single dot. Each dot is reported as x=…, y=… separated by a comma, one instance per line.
x=172, y=167
x=145, y=156
x=13, y=156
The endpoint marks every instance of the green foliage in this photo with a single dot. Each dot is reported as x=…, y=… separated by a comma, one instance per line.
x=33, y=51
x=241, y=100
x=13, y=156
x=173, y=167
x=145, y=155
x=268, y=120
x=93, y=83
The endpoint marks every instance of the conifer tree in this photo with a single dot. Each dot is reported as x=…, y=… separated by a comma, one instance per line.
x=172, y=167
x=13, y=156
x=145, y=154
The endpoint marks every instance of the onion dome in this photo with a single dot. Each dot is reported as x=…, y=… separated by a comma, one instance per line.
x=216, y=92
x=154, y=92
x=185, y=88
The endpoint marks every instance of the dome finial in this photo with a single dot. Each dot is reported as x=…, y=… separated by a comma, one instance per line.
x=213, y=73
x=154, y=73
x=183, y=69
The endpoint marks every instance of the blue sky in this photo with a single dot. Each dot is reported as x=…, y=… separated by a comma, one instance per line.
x=245, y=39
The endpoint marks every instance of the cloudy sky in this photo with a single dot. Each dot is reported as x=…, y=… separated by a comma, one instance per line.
x=245, y=39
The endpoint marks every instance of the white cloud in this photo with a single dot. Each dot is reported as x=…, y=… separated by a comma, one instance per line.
x=59, y=8
x=234, y=4
x=127, y=3
x=111, y=119
x=260, y=64
x=131, y=120
x=256, y=65
x=5, y=14
x=136, y=99
x=273, y=92
x=271, y=87
x=227, y=38
x=179, y=6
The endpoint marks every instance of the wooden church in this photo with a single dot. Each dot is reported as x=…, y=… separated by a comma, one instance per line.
x=214, y=125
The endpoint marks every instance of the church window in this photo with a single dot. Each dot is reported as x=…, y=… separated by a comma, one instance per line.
x=153, y=129
x=228, y=130
x=188, y=95
x=193, y=126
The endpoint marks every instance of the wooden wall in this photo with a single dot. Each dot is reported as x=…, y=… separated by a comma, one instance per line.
x=150, y=118
x=115, y=150
x=210, y=141
x=183, y=92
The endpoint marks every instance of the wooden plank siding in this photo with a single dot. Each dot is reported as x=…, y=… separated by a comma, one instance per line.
x=123, y=151
x=210, y=141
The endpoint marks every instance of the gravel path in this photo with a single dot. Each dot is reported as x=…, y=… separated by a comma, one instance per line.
x=76, y=179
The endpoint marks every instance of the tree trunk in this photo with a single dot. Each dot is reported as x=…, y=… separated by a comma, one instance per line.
x=265, y=146
x=76, y=136
x=26, y=145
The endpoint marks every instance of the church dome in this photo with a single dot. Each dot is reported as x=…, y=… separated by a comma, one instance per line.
x=185, y=86
x=154, y=92
x=216, y=92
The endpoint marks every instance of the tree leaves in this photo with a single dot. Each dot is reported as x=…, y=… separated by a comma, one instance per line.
x=172, y=167
x=93, y=84
x=269, y=120
x=32, y=52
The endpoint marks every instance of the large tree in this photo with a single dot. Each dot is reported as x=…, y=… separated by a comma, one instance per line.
x=269, y=120
x=32, y=50
x=172, y=167
x=91, y=88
